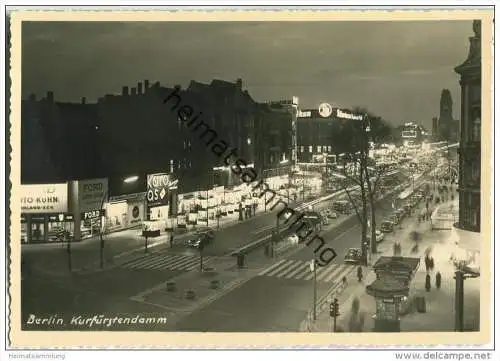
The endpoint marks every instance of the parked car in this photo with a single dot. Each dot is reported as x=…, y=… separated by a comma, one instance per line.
x=394, y=219
x=353, y=256
x=331, y=214
x=387, y=226
x=400, y=214
x=407, y=207
x=293, y=238
x=379, y=236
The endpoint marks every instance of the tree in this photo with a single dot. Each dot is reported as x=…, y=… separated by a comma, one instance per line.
x=357, y=168
x=352, y=167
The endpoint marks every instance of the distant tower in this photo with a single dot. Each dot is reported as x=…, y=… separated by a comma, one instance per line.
x=445, y=115
x=446, y=105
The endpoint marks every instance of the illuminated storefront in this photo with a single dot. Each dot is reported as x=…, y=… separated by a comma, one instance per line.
x=44, y=213
x=125, y=211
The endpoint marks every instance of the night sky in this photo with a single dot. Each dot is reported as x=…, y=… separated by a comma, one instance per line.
x=395, y=69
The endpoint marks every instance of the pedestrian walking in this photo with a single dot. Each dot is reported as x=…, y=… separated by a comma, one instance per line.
x=438, y=280
x=171, y=240
x=431, y=264
x=360, y=274
x=427, y=283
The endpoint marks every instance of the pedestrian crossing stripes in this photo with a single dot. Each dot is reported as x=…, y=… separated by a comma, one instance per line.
x=166, y=261
x=300, y=270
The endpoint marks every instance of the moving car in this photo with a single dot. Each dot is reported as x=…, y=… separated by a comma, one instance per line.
x=353, y=256
x=387, y=226
x=343, y=207
x=207, y=237
x=313, y=219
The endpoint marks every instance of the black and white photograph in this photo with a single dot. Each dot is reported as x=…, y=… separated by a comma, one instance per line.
x=313, y=177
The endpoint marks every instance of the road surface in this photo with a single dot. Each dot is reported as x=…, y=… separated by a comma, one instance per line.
x=280, y=296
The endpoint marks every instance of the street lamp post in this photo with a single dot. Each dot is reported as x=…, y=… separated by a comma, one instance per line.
x=68, y=247
x=460, y=277
x=313, y=266
x=101, y=236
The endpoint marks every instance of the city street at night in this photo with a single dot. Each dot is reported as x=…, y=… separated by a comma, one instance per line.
x=249, y=177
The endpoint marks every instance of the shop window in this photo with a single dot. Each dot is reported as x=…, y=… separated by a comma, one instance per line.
x=59, y=230
x=310, y=149
x=90, y=227
x=37, y=230
x=302, y=149
x=318, y=149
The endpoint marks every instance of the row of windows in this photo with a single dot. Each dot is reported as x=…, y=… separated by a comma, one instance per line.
x=319, y=149
x=471, y=211
x=472, y=173
x=180, y=164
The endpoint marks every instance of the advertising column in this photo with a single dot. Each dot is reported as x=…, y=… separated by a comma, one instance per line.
x=44, y=215
x=89, y=215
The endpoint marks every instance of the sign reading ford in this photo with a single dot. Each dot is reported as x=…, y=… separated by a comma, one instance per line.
x=158, y=186
x=44, y=198
x=93, y=214
x=91, y=194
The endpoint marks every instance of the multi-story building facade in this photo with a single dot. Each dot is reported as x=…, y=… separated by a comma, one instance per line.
x=318, y=131
x=274, y=146
x=315, y=136
x=470, y=136
x=137, y=133
x=59, y=140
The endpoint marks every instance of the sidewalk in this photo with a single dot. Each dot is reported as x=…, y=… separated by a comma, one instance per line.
x=440, y=304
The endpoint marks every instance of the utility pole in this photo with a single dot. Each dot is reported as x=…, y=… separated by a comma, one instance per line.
x=103, y=228
x=207, y=199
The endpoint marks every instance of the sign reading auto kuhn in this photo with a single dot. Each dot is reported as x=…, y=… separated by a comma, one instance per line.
x=158, y=186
